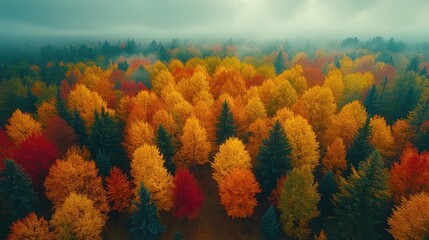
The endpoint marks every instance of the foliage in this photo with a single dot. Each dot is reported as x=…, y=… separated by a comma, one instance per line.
x=145, y=222
x=118, y=190
x=74, y=174
x=195, y=146
x=137, y=134
x=59, y=132
x=410, y=219
x=188, y=196
x=335, y=157
x=361, y=147
x=237, y=193
x=147, y=167
x=21, y=126
x=77, y=218
x=232, y=154
x=298, y=202
x=273, y=160
x=31, y=228
x=411, y=175
x=36, y=154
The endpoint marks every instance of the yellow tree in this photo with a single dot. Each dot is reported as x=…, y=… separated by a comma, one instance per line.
x=77, y=218
x=46, y=110
x=381, y=136
x=335, y=157
x=320, y=105
x=347, y=122
x=205, y=114
x=86, y=102
x=31, y=228
x=189, y=87
x=254, y=109
x=282, y=95
x=237, y=193
x=74, y=174
x=137, y=134
x=334, y=81
x=195, y=147
x=410, y=220
x=296, y=79
x=143, y=106
x=302, y=139
x=22, y=125
x=147, y=166
x=163, y=79
x=231, y=155
x=402, y=134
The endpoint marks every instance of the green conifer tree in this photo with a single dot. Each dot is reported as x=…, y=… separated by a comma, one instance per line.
x=144, y=220
x=166, y=147
x=225, y=127
x=273, y=160
x=360, y=202
x=270, y=224
x=361, y=147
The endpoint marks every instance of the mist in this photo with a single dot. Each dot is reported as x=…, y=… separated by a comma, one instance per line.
x=25, y=20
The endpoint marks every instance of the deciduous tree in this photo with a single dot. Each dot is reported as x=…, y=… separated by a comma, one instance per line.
x=77, y=218
x=188, y=196
x=298, y=202
x=335, y=158
x=74, y=174
x=31, y=227
x=232, y=154
x=21, y=126
x=238, y=191
x=410, y=219
x=147, y=166
x=119, y=191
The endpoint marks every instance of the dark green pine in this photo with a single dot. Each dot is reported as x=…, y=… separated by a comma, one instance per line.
x=327, y=187
x=166, y=147
x=105, y=135
x=78, y=125
x=17, y=197
x=103, y=163
x=361, y=147
x=144, y=220
x=279, y=63
x=372, y=101
x=361, y=202
x=225, y=127
x=270, y=224
x=273, y=160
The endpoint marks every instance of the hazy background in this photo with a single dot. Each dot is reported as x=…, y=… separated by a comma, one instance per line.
x=197, y=19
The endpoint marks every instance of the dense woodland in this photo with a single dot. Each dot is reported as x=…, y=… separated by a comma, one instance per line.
x=238, y=140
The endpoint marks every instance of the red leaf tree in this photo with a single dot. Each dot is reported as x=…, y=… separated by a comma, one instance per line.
x=58, y=131
x=119, y=190
x=188, y=196
x=411, y=175
x=36, y=154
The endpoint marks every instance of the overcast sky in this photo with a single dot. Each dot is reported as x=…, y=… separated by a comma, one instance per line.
x=252, y=19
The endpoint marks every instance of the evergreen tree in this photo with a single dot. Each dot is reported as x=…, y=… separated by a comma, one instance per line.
x=17, y=197
x=105, y=135
x=102, y=161
x=420, y=114
x=361, y=147
x=327, y=187
x=123, y=65
x=145, y=222
x=166, y=147
x=78, y=125
x=270, y=224
x=279, y=63
x=372, y=101
x=360, y=202
x=414, y=64
x=225, y=127
x=422, y=140
x=273, y=159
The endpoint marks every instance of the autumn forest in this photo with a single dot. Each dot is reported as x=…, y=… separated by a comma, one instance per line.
x=232, y=140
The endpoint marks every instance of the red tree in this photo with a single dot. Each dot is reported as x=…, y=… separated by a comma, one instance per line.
x=188, y=196
x=36, y=154
x=411, y=175
x=119, y=190
x=58, y=131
